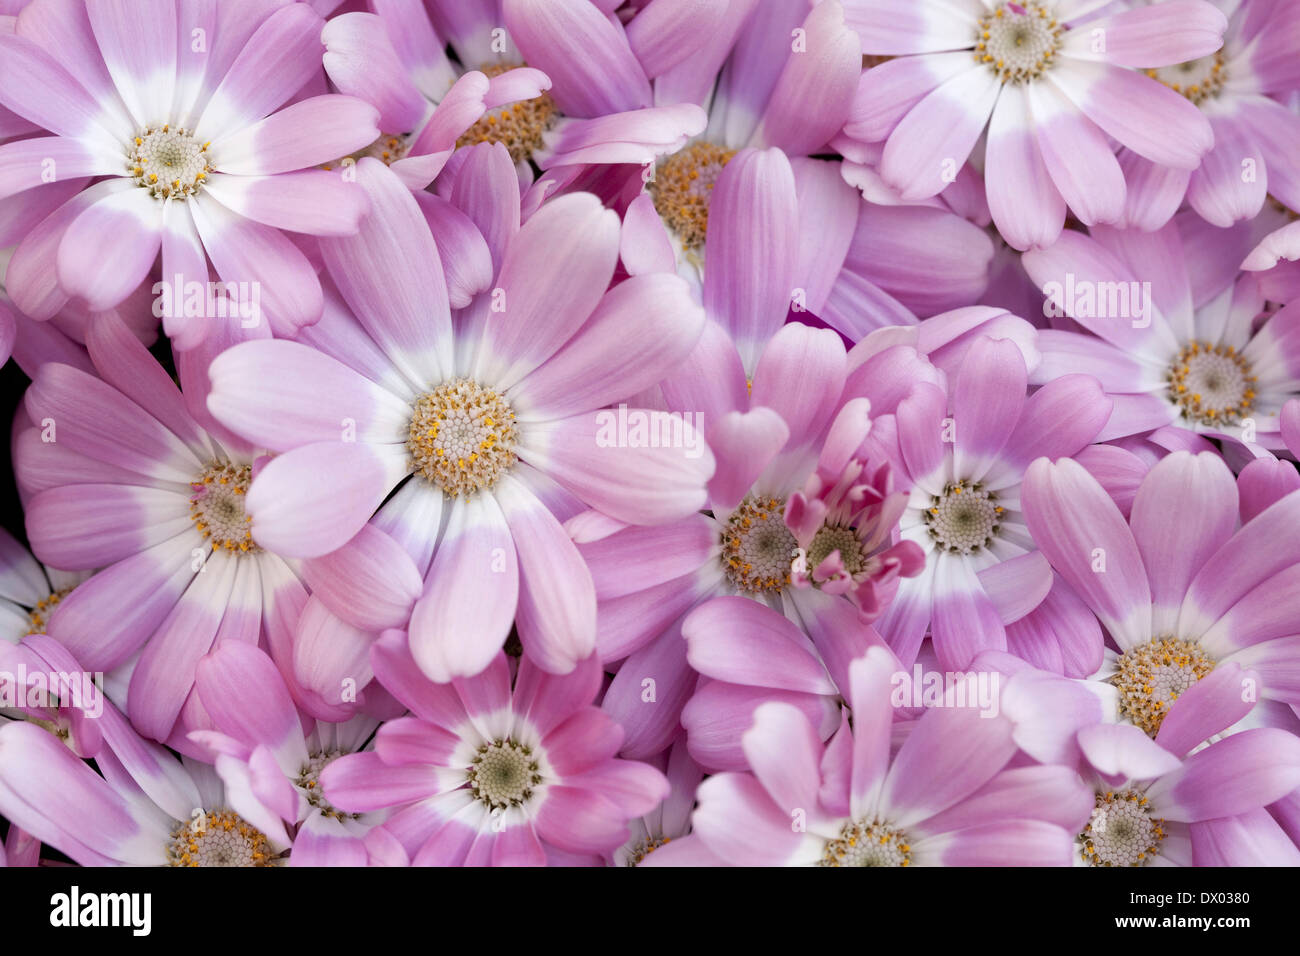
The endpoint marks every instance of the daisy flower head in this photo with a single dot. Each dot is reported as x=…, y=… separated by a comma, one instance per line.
x=484, y=424
x=187, y=117
x=1183, y=587
x=499, y=769
x=272, y=769
x=803, y=412
x=128, y=476
x=1173, y=330
x=963, y=451
x=947, y=797
x=135, y=804
x=1241, y=88
x=1052, y=82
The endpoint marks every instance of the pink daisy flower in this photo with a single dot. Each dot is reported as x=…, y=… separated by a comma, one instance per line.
x=1178, y=336
x=1172, y=801
x=1052, y=86
x=776, y=78
x=180, y=114
x=491, y=770
x=671, y=820
x=57, y=695
x=1152, y=808
x=486, y=422
x=137, y=806
x=30, y=592
x=1256, y=138
x=597, y=112
x=128, y=474
x=962, y=451
x=1181, y=598
x=272, y=769
x=800, y=411
x=427, y=105
x=946, y=798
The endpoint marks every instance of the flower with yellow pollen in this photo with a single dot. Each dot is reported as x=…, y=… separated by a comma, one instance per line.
x=757, y=547
x=169, y=163
x=520, y=127
x=1121, y=831
x=682, y=187
x=462, y=437
x=217, y=507
x=219, y=838
x=1151, y=677
x=1018, y=41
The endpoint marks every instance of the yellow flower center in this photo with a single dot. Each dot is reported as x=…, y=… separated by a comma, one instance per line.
x=217, y=507
x=1121, y=832
x=757, y=547
x=1151, y=677
x=682, y=187
x=462, y=437
x=864, y=843
x=219, y=838
x=1211, y=384
x=168, y=162
x=1198, y=80
x=519, y=127
x=1018, y=41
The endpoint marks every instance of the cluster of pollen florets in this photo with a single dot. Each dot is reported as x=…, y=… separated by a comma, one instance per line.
x=309, y=781
x=682, y=187
x=964, y=518
x=1198, y=80
x=462, y=437
x=519, y=127
x=170, y=163
x=388, y=149
x=38, y=618
x=643, y=849
x=217, y=507
x=219, y=838
x=1121, y=831
x=837, y=537
x=503, y=774
x=757, y=547
x=863, y=843
x=1151, y=677
x=1211, y=384
x=1018, y=41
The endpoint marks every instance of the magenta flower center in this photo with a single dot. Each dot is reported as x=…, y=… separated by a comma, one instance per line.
x=1198, y=80
x=219, y=838
x=864, y=843
x=462, y=437
x=964, y=519
x=170, y=163
x=682, y=188
x=1121, y=832
x=1018, y=41
x=1151, y=677
x=519, y=127
x=1211, y=384
x=503, y=774
x=757, y=547
x=217, y=507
